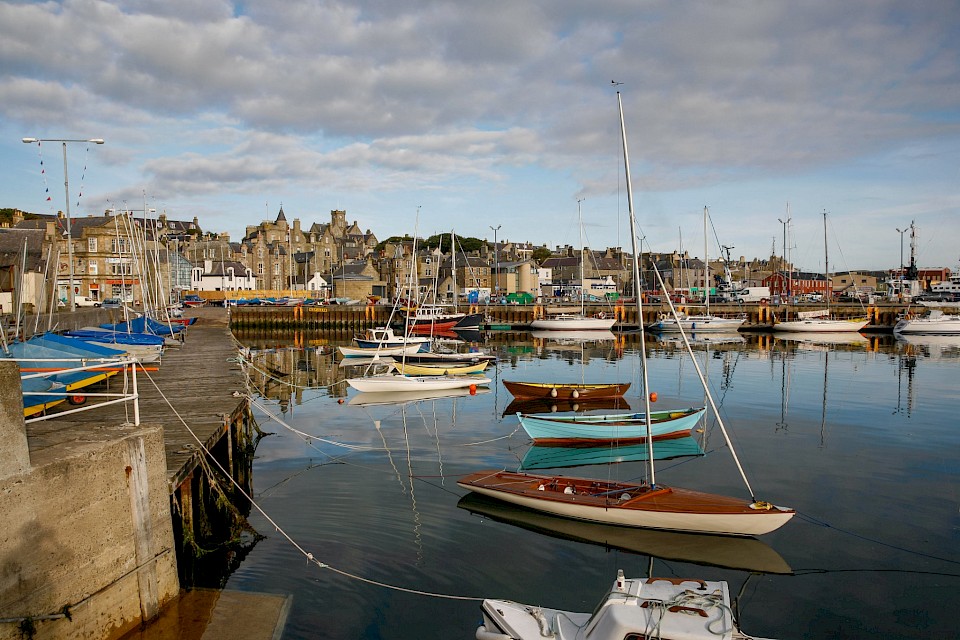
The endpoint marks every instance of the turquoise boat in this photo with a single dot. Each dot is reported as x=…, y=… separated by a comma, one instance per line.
x=622, y=427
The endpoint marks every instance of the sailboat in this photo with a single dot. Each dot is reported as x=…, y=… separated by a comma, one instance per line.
x=394, y=382
x=820, y=320
x=576, y=321
x=643, y=504
x=703, y=322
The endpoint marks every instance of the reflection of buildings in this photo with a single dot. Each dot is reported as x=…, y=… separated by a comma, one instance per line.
x=284, y=374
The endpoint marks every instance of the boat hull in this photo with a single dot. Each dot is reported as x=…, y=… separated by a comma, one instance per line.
x=698, y=324
x=408, y=383
x=439, y=369
x=573, y=323
x=622, y=427
x=821, y=325
x=367, y=352
x=631, y=505
x=564, y=391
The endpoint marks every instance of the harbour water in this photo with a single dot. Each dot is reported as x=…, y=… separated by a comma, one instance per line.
x=860, y=438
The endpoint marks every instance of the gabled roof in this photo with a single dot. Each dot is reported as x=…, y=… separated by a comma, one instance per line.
x=11, y=248
x=219, y=268
x=280, y=216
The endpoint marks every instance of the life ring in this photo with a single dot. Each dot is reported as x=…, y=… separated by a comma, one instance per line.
x=601, y=315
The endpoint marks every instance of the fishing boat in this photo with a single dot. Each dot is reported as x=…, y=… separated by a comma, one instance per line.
x=634, y=608
x=563, y=391
x=397, y=382
x=630, y=504
x=644, y=504
x=576, y=321
x=439, y=369
x=545, y=455
x=621, y=427
x=429, y=318
x=741, y=553
x=443, y=357
x=820, y=320
x=934, y=322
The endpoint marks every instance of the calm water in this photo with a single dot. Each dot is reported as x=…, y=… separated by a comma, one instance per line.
x=861, y=439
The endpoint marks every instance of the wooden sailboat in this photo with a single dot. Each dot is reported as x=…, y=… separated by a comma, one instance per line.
x=637, y=504
x=621, y=427
x=566, y=391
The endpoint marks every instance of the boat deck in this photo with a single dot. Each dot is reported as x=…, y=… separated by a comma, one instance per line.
x=199, y=381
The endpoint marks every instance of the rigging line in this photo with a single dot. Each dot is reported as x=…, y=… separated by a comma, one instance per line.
x=809, y=572
x=304, y=434
x=306, y=554
x=827, y=525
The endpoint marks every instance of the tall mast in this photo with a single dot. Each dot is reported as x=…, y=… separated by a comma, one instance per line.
x=580, y=221
x=636, y=280
x=826, y=262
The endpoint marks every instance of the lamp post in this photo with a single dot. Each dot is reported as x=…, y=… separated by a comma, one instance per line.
x=496, y=261
x=901, y=232
x=66, y=191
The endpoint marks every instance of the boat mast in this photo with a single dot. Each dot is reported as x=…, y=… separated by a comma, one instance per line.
x=706, y=264
x=826, y=264
x=580, y=221
x=639, y=297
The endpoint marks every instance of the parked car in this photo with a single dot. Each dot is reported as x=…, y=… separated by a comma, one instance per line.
x=112, y=303
x=84, y=301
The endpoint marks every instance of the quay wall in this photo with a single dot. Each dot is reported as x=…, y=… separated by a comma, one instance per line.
x=349, y=318
x=86, y=546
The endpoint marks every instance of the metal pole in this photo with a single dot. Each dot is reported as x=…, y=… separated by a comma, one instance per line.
x=496, y=261
x=71, y=300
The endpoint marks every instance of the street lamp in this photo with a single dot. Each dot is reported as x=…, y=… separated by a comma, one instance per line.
x=496, y=261
x=901, y=232
x=66, y=191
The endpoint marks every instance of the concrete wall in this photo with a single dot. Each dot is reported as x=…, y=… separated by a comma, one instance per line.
x=89, y=529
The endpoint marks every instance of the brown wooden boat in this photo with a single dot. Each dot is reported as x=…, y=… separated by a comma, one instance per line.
x=630, y=504
x=566, y=391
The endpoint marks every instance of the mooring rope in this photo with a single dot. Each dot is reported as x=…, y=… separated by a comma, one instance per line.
x=306, y=554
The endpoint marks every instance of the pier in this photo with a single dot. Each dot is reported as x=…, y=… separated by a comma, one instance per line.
x=760, y=317
x=104, y=520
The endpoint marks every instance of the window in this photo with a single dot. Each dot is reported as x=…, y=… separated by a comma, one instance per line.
x=259, y=268
x=118, y=245
x=92, y=245
x=92, y=267
x=276, y=268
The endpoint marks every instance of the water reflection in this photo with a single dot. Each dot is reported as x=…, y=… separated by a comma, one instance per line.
x=743, y=553
x=855, y=436
x=540, y=456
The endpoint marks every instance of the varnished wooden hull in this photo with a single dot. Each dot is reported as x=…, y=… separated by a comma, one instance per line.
x=629, y=504
x=566, y=391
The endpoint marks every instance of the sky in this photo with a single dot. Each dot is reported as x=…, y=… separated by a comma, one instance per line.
x=435, y=116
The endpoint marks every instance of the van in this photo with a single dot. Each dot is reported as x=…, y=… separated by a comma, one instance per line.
x=753, y=294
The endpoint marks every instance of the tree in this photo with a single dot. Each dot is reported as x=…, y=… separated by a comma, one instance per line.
x=540, y=254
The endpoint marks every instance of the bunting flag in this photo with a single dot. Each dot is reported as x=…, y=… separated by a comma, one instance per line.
x=43, y=173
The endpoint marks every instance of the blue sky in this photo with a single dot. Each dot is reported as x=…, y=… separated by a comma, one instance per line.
x=501, y=113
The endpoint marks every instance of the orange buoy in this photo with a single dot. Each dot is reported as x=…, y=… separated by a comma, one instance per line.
x=339, y=400
x=653, y=396
x=473, y=389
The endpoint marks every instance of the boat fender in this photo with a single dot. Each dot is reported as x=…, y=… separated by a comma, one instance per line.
x=541, y=488
x=575, y=394
x=625, y=496
x=483, y=634
x=761, y=505
x=569, y=490
x=553, y=392
x=601, y=315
